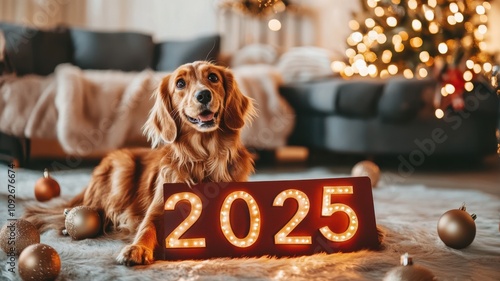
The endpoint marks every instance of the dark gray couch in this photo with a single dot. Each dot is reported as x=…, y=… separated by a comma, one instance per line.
x=393, y=116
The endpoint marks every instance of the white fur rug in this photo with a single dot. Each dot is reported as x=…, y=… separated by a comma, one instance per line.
x=407, y=214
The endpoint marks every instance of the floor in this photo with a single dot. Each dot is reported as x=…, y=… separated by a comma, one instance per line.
x=445, y=172
x=456, y=173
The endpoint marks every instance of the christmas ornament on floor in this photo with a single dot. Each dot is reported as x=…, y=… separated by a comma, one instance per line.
x=46, y=187
x=18, y=234
x=407, y=271
x=368, y=169
x=39, y=262
x=82, y=222
x=456, y=228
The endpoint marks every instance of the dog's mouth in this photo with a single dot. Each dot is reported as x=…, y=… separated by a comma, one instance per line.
x=205, y=119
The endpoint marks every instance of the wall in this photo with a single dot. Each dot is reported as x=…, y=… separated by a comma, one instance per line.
x=168, y=19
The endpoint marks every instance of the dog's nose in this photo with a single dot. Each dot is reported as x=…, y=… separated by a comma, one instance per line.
x=204, y=96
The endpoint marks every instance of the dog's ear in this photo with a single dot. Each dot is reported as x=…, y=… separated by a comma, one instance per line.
x=160, y=126
x=237, y=107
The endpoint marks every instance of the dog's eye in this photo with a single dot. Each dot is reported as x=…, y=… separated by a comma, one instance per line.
x=180, y=83
x=212, y=77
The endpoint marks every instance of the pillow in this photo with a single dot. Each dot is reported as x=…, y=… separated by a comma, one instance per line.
x=402, y=98
x=126, y=51
x=172, y=54
x=255, y=54
x=301, y=64
x=19, y=47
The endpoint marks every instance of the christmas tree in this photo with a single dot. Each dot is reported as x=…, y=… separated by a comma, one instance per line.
x=420, y=38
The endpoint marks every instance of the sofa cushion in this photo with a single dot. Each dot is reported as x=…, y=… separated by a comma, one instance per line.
x=402, y=98
x=36, y=51
x=19, y=47
x=52, y=47
x=126, y=51
x=359, y=98
x=172, y=54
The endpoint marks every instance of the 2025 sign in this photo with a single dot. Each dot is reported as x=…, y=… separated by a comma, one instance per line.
x=276, y=218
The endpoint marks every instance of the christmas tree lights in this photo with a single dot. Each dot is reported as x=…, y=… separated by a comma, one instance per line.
x=411, y=38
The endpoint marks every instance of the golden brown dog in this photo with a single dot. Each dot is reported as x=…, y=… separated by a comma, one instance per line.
x=194, y=127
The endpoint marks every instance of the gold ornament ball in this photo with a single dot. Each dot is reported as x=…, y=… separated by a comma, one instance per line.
x=39, y=262
x=368, y=169
x=82, y=222
x=408, y=271
x=18, y=234
x=456, y=228
x=46, y=187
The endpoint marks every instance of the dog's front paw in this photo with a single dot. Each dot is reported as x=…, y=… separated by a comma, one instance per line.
x=135, y=255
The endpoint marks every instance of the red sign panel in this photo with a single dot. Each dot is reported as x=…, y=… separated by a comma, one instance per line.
x=276, y=218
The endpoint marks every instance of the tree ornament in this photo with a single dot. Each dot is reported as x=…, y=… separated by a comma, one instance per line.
x=407, y=271
x=46, y=187
x=367, y=168
x=39, y=262
x=82, y=222
x=18, y=234
x=457, y=228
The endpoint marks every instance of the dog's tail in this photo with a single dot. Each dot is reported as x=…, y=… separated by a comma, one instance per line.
x=51, y=215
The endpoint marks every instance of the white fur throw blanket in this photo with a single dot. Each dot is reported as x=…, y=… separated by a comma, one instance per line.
x=91, y=111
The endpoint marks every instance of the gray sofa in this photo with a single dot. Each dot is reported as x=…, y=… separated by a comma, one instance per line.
x=391, y=117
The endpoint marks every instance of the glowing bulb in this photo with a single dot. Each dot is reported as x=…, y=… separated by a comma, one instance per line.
x=467, y=75
x=337, y=66
x=433, y=28
x=353, y=25
x=412, y=4
x=392, y=21
x=450, y=89
x=408, y=74
x=274, y=25
x=379, y=11
x=432, y=3
x=416, y=25
x=422, y=72
x=477, y=68
x=303, y=208
x=381, y=38
x=451, y=20
x=393, y=69
x=482, y=29
x=453, y=7
x=459, y=17
x=442, y=48
x=428, y=13
x=386, y=56
x=439, y=113
x=469, y=86
x=480, y=10
x=487, y=67
x=469, y=64
x=369, y=22
x=416, y=42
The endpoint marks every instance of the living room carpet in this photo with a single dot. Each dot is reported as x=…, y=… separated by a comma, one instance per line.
x=407, y=215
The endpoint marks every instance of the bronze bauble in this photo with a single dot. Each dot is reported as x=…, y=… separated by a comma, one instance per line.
x=82, y=222
x=39, y=262
x=457, y=228
x=407, y=271
x=46, y=187
x=368, y=169
x=18, y=234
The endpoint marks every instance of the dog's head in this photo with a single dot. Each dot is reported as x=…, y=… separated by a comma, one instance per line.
x=200, y=97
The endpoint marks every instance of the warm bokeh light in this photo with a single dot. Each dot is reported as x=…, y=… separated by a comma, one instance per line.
x=439, y=113
x=274, y=25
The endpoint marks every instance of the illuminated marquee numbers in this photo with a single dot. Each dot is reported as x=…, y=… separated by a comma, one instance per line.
x=282, y=236
x=329, y=209
x=172, y=240
x=225, y=222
